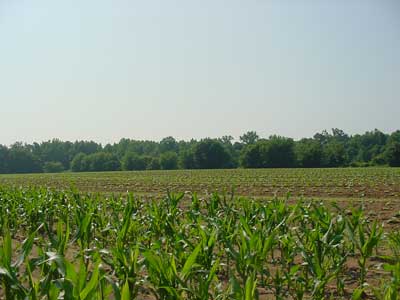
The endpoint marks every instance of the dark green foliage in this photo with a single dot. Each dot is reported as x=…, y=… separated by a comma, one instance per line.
x=392, y=154
x=368, y=147
x=154, y=164
x=280, y=152
x=54, y=151
x=392, y=151
x=22, y=160
x=168, y=144
x=234, y=153
x=309, y=153
x=169, y=160
x=252, y=155
x=395, y=136
x=186, y=159
x=277, y=152
x=249, y=138
x=79, y=163
x=4, y=152
x=325, y=149
x=378, y=160
x=87, y=147
x=53, y=167
x=102, y=161
x=334, y=154
x=149, y=148
x=132, y=161
x=211, y=154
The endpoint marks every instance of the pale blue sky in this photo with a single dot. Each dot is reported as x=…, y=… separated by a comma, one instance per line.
x=147, y=69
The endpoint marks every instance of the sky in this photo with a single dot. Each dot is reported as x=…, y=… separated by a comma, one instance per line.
x=107, y=69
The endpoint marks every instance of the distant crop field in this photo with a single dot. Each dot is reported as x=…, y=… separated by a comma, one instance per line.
x=324, y=183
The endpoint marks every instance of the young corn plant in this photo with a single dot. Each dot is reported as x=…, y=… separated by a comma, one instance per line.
x=12, y=287
x=245, y=249
x=364, y=239
x=202, y=279
x=248, y=291
x=127, y=265
x=121, y=247
x=390, y=289
x=320, y=248
x=167, y=281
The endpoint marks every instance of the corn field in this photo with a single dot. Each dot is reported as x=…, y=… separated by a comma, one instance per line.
x=70, y=245
x=374, y=183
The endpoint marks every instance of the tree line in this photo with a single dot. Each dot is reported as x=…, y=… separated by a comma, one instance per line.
x=324, y=149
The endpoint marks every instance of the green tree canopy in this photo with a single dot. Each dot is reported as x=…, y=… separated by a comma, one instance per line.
x=169, y=160
x=132, y=161
x=53, y=167
x=102, y=161
x=4, y=153
x=22, y=160
x=168, y=144
x=79, y=163
x=309, y=153
x=334, y=154
x=392, y=154
x=276, y=152
x=211, y=154
x=249, y=138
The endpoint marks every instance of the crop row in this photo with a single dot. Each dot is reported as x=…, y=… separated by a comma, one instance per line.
x=69, y=245
x=357, y=182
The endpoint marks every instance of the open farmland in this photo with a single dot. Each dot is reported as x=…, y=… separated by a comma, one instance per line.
x=274, y=238
x=66, y=245
x=375, y=183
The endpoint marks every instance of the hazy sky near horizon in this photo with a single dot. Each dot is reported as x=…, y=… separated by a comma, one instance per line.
x=104, y=70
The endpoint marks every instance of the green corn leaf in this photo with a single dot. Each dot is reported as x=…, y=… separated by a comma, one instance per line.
x=5, y=273
x=171, y=291
x=190, y=262
x=115, y=288
x=26, y=247
x=154, y=261
x=70, y=273
x=33, y=286
x=81, y=276
x=236, y=290
x=357, y=294
x=126, y=295
x=58, y=259
x=92, y=284
x=53, y=292
x=7, y=250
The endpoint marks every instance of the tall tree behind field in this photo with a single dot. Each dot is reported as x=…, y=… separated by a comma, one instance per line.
x=308, y=153
x=211, y=154
x=133, y=161
x=366, y=147
x=334, y=154
x=4, y=152
x=168, y=144
x=249, y=138
x=22, y=160
x=226, y=141
x=392, y=152
x=326, y=149
x=169, y=160
x=276, y=152
x=56, y=151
